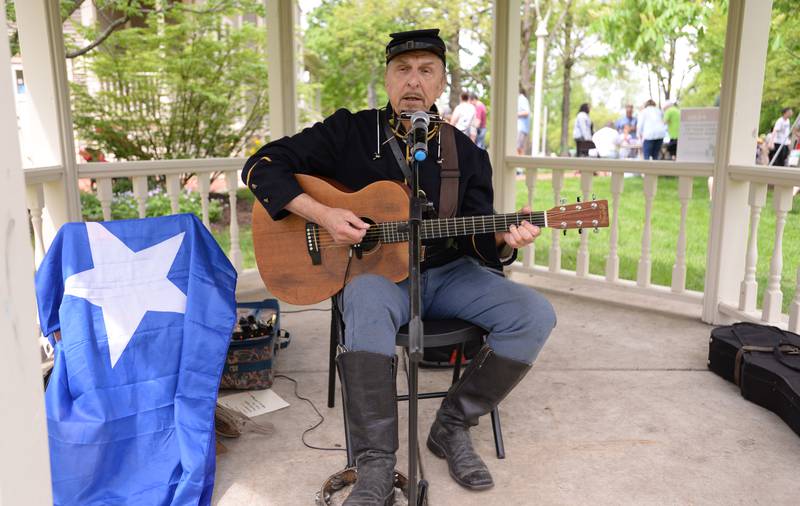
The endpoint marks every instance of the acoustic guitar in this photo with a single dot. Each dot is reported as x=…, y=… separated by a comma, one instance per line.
x=301, y=264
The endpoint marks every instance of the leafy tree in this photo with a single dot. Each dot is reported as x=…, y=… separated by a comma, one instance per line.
x=345, y=41
x=205, y=99
x=647, y=32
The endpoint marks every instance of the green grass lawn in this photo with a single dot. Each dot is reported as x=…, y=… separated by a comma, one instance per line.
x=665, y=224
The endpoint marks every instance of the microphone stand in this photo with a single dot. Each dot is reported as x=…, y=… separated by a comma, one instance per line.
x=416, y=492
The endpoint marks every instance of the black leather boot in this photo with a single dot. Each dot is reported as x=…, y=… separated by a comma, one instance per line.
x=370, y=401
x=484, y=383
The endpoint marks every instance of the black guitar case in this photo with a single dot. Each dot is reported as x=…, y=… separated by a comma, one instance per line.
x=764, y=362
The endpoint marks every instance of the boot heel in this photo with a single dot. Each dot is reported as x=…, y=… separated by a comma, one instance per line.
x=435, y=448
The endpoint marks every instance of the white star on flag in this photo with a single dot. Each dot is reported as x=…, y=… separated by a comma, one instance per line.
x=127, y=284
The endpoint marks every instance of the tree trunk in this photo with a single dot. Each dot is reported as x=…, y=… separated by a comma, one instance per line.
x=525, y=79
x=372, y=94
x=453, y=48
x=566, y=83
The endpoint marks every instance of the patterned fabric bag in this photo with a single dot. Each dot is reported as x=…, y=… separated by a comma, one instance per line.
x=256, y=340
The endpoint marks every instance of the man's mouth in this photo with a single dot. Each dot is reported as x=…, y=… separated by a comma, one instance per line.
x=412, y=98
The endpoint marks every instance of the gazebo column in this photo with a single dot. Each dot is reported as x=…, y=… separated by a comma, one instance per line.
x=740, y=102
x=505, y=87
x=281, y=24
x=25, y=464
x=42, y=46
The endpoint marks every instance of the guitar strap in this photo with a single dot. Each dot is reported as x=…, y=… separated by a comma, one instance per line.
x=450, y=173
x=448, y=192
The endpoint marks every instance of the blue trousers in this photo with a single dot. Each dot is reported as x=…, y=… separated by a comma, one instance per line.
x=518, y=319
x=652, y=149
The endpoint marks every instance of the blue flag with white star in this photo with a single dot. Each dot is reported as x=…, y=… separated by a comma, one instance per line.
x=145, y=309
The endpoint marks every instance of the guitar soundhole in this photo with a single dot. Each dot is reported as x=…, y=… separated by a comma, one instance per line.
x=372, y=239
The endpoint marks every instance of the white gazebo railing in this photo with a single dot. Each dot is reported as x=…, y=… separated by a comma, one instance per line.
x=138, y=172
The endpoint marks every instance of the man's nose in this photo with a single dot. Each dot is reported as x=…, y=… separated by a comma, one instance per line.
x=413, y=79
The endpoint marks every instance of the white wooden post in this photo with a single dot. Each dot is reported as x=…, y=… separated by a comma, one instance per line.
x=746, y=40
x=773, y=296
x=612, y=261
x=748, y=290
x=25, y=463
x=679, y=268
x=281, y=66
x=204, y=185
x=35, y=198
x=140, y=194
x=582, y=263
x=231, y=179
x=505, y=88
x=105, y=195
x=555, y=243
x=530, y=182
x=174, y=192
x=645, y=263
x=50, y=131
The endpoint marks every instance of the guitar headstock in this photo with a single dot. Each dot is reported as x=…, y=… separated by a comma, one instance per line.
x=580, y=215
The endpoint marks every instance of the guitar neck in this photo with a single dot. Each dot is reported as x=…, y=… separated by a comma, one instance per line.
x=397, y=231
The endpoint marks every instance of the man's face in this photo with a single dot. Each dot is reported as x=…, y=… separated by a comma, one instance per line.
x=414, y=81
x=629, y=111
x=788, y=114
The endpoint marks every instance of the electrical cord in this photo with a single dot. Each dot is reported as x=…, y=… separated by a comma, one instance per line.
x=316, y=425
x=305, y=310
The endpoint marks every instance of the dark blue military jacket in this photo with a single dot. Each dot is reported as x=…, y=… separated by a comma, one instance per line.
x=343, y=148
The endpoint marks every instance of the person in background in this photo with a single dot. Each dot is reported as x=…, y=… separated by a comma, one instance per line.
x=672, y=118
x=629, y=145
x=523, y=122
x=606, y=141
x=651, y=130
x=629, y=119
x=480, y=116
x=780, y=138
x=582, y=132
x=464, y=116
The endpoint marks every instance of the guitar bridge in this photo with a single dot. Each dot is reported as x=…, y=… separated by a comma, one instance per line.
x=312, y=243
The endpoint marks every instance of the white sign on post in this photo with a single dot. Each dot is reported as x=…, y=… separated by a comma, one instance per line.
x=697, y=137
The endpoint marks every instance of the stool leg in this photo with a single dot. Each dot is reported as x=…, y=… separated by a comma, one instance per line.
x=498, y=434
x=332, y=357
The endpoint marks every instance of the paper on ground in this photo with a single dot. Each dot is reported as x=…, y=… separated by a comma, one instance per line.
x=254, y=403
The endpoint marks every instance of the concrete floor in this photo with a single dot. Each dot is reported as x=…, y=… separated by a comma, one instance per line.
x=618, y=409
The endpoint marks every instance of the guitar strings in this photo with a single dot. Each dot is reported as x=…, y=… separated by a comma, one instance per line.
x=377, y=231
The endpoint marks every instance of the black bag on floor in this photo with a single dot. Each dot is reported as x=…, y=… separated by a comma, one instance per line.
x=764, y=362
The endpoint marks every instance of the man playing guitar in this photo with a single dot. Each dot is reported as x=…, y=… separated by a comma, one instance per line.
x=357, y=149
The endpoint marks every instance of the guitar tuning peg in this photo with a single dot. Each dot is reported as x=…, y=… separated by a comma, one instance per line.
x=580, y=230
x=596, y=230
x=565, y=233
x=594, y=197
x=578, y=199
x=562, y=201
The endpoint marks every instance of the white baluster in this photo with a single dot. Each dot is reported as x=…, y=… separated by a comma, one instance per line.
x=140, y=194
x=105, y=194
x=794, y=308
x=555, y=244
x=773, y=297
x=35, y=198
x=612, y=261
x=530, y=182
x=231, y=180
x=679, y=268
x=645, y=263
x=174, y=192
x=748, y=291
x=582, y=265
x=204, y=184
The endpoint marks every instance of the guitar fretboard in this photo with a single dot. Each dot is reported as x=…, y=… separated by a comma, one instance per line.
x=397, y=231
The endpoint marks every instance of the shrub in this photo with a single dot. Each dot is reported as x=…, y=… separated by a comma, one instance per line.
x=124, y=206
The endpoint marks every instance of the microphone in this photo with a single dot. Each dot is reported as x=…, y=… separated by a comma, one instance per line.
x=419, y=135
